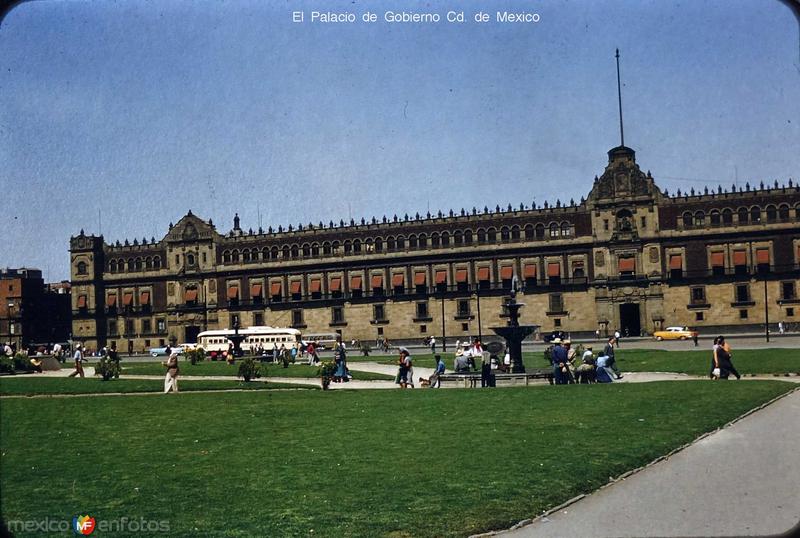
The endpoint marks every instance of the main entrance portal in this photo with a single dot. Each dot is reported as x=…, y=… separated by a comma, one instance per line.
x=191, y=334
x=629, y=319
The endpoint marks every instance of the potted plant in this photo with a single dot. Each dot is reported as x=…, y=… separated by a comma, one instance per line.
x=325, y=372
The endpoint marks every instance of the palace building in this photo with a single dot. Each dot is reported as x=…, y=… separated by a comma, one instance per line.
x=628, y=257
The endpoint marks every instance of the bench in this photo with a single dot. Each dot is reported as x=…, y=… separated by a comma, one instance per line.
x=473, y=379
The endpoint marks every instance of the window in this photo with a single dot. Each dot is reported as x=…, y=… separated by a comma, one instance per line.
x=463, y=310
x=297, y=318
x=787, y=291
x=379, y=312
x=337, y=314
x=727, y=217
x=790, y=312
x=644, y=222
x=556, y=302
x=557, y=322
x=258, y=318
x=742, y=314
x=465, y=327
x=147, y=326
x=687, y=220
x=698, y=295
x=112, y=327
x=190, y=259
x=717, y=263
x=742, y=214
x=380, y=331
x=740, y=262
x=742, y=293
x=147, y=343
x=715, y=218
x=130, y=328
x=422, y=310
x=605, y=224
x=161, y=326
x=423, y=329
x=698, y=316
x=755, y=215
x=81, y=268
x=554, y=230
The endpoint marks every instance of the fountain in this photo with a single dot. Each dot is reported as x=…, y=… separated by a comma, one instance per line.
x=513, y=332
x=236, y=338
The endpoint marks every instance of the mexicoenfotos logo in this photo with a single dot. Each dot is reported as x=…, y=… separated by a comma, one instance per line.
x=83, y=525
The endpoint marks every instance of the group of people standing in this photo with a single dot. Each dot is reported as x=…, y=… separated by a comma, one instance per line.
x=603, y=369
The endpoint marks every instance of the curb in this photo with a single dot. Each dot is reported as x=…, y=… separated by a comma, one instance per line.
x=544, y=515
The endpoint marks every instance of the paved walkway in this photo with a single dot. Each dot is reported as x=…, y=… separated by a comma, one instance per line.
x=743, y=480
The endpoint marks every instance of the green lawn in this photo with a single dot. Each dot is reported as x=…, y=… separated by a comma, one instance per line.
x=747, y=361
x=345, y=463
x=26, y=384
x=221, y=368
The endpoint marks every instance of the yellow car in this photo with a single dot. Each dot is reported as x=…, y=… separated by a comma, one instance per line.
x=675, y=333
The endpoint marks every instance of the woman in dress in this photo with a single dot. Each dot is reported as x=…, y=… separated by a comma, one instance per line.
x=171, y=379
x=722, y=359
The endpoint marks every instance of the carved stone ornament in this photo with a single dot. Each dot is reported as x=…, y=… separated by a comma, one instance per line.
x=171, y=288
x=600, y=259
x=653, y=254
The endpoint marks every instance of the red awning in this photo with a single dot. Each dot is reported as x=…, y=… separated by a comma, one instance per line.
x=762, y=255
x=441, y=276
x=398, y=280
x=127, y=298
x=627, y=265
x=111, y=300
x=255, y=290
x=316, y=285
x=355, y=283
x=483, y=273
x=529, y=271
x=275, y=288
x=717, y=259
x=739, y=257
x=233, y=292
x=506, y=272
x=294, y=287
x=190, y=294
x=377, y=281
x=419, y=278
x=461, y=275
x=676, y=261
x=336, y=283
x=81, y=301
x=144, y=298
x=553, y=269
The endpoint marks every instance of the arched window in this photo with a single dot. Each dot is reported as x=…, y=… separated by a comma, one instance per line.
x=505, y=234
x=306, y=250
x=378, y=244
x=529, y=232
x=412, y=241
x=727, y=216
x=445, y=239
x=467, y=237
x=357, y=245
x=274, y=253
x=285, y=252
x=131, y=266
x=458, y=238
x=515, y=233
x=743, y=214
x=112, y=266
x=699, y=219
x=157, y=262
x=491, y=235
x=554, y=229
x=138, y=264
x=783, y=212
x=235, y=256
x=755, y=215
x=797, y=212
x=190, y=259
x=565, y=229
x=481, y=235
x=401, y=242
x=295, y=251
x=315, y=249
x=226, y=256
x=540, y=231
x=435, y=240
x=715, y=218
x=390, y=244
x=687, y=220
x=772, y=213
x=326, y=248
x=245, y=255
x=348, y=247
x=423, y=241
x=265, y=253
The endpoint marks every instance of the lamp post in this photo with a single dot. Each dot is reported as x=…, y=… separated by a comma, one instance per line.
x=444, y=335
x=766, y=310
x=478, y=297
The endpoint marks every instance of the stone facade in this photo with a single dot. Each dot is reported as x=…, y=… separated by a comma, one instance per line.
x=628, y=256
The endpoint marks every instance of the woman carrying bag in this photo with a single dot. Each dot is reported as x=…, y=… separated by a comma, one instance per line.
x=723, y=366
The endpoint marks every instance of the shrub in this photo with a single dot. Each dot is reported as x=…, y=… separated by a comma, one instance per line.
x=22, y=363
x=6, y=365
x=195, y=355
x=107, y=367
x=365, y=349
x=249, y=369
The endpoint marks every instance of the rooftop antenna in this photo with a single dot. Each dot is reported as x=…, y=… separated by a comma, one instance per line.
x=619, y=99
x=100, y=221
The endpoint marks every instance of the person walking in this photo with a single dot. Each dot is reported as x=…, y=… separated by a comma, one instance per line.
x=433, y=345
x=340, y=359
x=608, y=351
x=78, y=358
x=171, y=379
x=402, y=367
x=558, y=357
x=617, y=336
x=722, y=360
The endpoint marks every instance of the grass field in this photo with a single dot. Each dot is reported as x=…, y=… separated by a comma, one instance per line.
x=747, y=361
x=345, y=463
x=28, y=385
x=221, y=368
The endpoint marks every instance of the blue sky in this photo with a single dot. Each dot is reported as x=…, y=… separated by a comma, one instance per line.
x=144, y=110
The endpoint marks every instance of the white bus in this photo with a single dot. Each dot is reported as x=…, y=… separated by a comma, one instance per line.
x=321, y=340
x=216, y=343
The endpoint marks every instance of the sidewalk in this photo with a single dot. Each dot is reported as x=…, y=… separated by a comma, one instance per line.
x=743, y=480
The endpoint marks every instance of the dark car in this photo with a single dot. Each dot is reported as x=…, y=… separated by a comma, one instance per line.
x=549, y=337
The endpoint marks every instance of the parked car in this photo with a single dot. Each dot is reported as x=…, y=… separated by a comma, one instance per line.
x=156, y=351
x=549, y=337
x=675, y=333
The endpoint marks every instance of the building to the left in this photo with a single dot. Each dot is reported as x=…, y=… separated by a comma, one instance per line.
x=33, y=313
